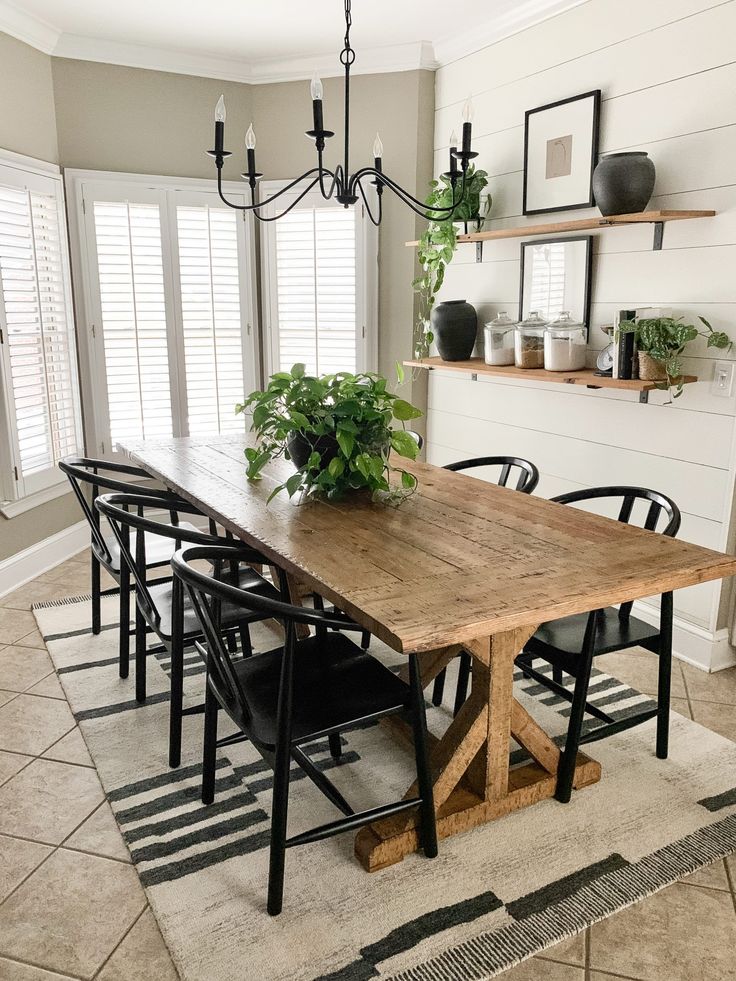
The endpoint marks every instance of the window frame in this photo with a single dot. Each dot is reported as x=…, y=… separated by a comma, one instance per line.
x=366, y=244
x=163, y=190
x=19, y=493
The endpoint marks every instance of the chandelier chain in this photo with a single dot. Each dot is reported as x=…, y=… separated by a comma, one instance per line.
x=347, y=55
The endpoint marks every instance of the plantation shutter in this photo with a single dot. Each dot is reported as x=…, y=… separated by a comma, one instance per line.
x=211, y=317
x=548, y=277
x=38, y=353
x=315, y=284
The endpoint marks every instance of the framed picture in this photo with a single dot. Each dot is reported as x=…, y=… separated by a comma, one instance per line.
x=555, y=276
x=560, y=153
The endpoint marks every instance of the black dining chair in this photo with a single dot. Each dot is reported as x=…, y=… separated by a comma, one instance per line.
x=526, y=478
x=136, y=520
x=300, y=692
x=571, y=643
x=89, y=478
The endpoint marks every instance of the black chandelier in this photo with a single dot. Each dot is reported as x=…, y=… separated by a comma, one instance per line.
x=340, y=183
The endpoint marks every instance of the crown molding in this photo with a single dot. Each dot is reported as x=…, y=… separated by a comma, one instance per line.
x=27, y=28
x=521, y=16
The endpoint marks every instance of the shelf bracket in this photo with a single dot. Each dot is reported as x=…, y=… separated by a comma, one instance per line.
x=479, y=251
x=658, y=236
x=644, y=397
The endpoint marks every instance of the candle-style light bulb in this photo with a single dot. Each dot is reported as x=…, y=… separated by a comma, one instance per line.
x=316, y=87
x=468, y=110
x=220, y=110
x=467, y=127
x=453, y=148
x=250, y=138
x=377, y=147
x=453, y=140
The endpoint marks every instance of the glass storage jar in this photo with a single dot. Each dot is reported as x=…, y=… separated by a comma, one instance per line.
x=499, y=340
x=565, y=344
x=529, y=342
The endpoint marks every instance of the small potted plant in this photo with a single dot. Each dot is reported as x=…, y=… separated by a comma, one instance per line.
x=337, y=430
x=438, y=243
x=660, y=342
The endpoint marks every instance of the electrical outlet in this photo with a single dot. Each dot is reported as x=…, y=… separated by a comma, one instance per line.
x=722, y=383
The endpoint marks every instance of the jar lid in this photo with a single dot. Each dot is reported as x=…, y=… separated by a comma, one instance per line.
x=564, y=321
x=502, y=322
x=533, y=320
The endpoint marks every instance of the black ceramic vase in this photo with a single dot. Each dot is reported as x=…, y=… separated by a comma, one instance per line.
x=301, y=446
x=623, y=183
x=454, y=325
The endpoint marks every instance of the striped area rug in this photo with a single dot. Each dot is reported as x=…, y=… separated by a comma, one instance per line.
x=494, y=896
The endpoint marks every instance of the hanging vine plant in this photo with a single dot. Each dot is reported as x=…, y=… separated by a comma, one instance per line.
x=438, y=243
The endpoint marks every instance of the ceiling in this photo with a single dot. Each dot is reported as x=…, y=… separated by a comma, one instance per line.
x=253, y=40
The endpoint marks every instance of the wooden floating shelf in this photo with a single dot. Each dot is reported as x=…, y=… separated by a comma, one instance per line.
x=584, y=224
x=476, y=366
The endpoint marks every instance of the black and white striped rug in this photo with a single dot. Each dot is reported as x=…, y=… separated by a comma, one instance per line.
x=494, y=896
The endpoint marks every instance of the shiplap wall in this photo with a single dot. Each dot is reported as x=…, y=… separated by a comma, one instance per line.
x=667, y=71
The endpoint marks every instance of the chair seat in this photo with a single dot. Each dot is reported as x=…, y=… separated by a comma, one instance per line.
x=158, y=549
x=161, y=596
x=336, y=684
x=560, y=641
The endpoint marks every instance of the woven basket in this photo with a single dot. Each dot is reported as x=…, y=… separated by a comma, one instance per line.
x=650, y=369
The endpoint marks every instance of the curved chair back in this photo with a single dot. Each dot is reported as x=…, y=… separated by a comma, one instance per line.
x=207, y=594
x=528, y=475
x=659, y=505
x=102, y=475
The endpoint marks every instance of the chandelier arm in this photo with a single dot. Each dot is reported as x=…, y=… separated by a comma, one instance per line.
x=293, y=204
x=376, y=221
x=437, y=213
x=336, y=178
x=418, y=207
x=274, y=196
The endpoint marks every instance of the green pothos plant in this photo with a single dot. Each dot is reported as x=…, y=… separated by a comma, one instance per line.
x=344, y=427
x=438, y=243
x=665, y=338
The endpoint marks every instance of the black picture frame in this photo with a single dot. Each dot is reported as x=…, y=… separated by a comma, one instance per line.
x=587, y=277
x=595, y=95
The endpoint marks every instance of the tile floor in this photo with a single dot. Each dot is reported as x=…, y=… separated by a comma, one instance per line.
x=71, y=906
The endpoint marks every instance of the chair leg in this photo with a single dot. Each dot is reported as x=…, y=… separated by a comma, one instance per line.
x=96, y=614
x=566, y=770
x=177, y=672
x=335, y=745
x=140, y=656
x=246, y=644
x=463, y=677
x=438, y=690
x=665, y=676
x=209, y=754
x=428, y=825
x=557, y=674
x=365, y=640
x=282, y=765
x=124, y=642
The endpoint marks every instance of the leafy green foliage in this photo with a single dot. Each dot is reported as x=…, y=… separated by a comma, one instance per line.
x=351, y=415
x=438, y=243
x=664, y=339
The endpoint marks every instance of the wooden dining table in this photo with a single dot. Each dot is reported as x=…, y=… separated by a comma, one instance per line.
x=460, y=564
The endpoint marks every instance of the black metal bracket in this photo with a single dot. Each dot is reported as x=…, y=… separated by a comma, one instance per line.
x=644, y=397
x=658, y=236
x=479, y=251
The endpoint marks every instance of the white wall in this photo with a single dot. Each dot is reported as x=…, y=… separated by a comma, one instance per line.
x=668, y=81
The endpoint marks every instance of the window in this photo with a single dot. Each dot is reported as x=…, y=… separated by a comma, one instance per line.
x=168, y=302
x=39, y=407
x=320, y=286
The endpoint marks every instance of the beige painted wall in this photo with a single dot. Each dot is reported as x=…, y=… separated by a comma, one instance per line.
x=28, y=125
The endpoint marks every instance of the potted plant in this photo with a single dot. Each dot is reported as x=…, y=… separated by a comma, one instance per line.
x=438, y=243
x=660, y=343
x=335, y=429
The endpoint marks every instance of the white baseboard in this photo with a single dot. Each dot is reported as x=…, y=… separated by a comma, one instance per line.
x=704, y=649
x=31, y=562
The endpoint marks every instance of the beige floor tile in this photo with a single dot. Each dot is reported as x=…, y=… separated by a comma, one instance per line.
x=600, y=976
x=70, y=749
x=48, y=687
x=12, y=763
x=5, y=696
x=717, y=687
x=37, y=591
x=18, y=859
x=21, y=667
x=713, y=876
x=15, y=624
x=100, y=834
x=87, y=904
x=681, y=933
x=536, y=969
x=142, y=956
x=30, y=724
x=13, y=971
x=47, y=800
x=570, y=951
x=719, y=717
x=32, y=639
x=639, y=670
x=681, y=706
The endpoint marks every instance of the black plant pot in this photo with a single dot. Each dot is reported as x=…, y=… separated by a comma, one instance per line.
x=302, y=445
x=623, y=183
x=454, y=325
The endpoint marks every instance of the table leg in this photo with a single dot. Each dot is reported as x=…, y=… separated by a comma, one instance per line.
x=470, y=762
